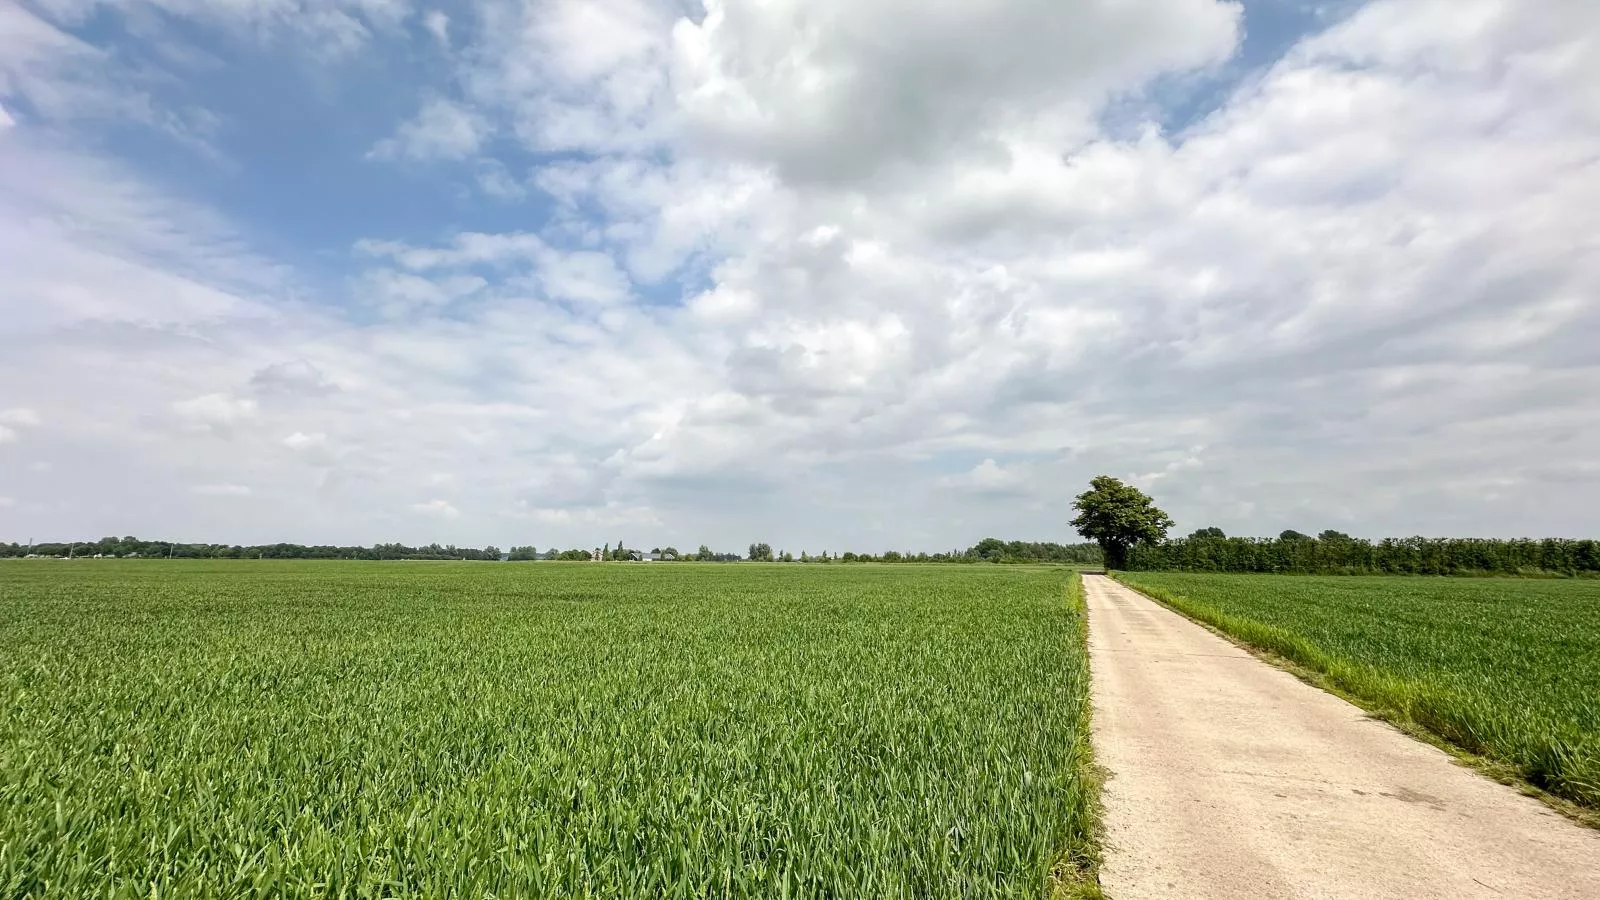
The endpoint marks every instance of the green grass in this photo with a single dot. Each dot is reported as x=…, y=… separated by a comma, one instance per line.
x=242, y=728
x=1505, y=668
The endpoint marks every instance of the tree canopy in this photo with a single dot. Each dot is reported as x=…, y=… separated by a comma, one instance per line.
x=1118, y=517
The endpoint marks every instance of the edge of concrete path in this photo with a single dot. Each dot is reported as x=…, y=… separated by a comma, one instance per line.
x=1492, y=769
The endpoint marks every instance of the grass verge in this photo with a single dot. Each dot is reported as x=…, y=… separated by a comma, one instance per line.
x=1077, y=873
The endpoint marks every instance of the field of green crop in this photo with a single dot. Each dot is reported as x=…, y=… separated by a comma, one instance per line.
x=1507, y=668
x=359, y=729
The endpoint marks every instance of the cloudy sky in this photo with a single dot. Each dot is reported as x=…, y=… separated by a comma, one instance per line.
x=833, y=274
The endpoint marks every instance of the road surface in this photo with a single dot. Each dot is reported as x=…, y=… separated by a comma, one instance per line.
x=1230, y=778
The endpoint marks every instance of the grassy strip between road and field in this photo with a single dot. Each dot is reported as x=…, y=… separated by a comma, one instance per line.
x=1077, y=875
x=1505, y=671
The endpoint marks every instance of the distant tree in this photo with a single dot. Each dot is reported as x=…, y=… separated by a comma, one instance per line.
x=761, y=552
x=804, y=556
x=1119, y=517
x=1289, y=534
x=1203, y=533
x=848, y=556
x=669, y=552
x=1331, y=535
x=988, y=548
x=705, y=554
x=786, y=556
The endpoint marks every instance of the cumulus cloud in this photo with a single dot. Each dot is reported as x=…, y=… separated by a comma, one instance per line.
x=215, y=409
x=578, y=276
x=442, y=129
x=989, y=477
x=442, y=508
x=818, y=89
x=438, y=25
x=221, y=490
x=804, y=283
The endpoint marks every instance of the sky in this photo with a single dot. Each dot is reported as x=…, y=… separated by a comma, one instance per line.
x=830, y=274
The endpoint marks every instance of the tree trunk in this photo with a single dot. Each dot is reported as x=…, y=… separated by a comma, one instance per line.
x=1116, y=554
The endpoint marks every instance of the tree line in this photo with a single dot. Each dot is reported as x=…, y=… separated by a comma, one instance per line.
x=132, y=547
x=988, y=550
x=1334, y=553
x=1132, y=532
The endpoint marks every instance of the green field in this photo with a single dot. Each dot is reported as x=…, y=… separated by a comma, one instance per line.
x=360, y=729
x=1507, y=668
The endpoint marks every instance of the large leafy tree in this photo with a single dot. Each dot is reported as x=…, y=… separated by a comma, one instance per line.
x=1117, y=516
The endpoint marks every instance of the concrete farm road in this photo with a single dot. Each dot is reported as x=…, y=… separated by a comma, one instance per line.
x=1229, y=778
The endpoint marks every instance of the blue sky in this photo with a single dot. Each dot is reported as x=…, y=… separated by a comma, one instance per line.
x=827, y=274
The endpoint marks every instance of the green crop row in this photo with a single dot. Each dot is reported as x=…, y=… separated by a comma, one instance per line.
x=303, y=729
x=1505, y=668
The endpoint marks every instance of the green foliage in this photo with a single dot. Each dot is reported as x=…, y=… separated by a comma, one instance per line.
x=1505, y=668
x=1333, y=553
x=1118, y=517
x=995, y=550
x=986, y=550
x=136, y=547
x=210, y=729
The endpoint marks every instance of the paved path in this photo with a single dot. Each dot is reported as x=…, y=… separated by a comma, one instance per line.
x=1230, y=778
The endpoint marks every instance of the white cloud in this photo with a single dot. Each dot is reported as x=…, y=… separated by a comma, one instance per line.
x=1353, y=296
x=583, y=277
x=438, y=24
x=441, y=508
x=989, y=477
x=215, y=409
x=11, y=420
x=402, y=292
x=468, y=248
x=580, y=276
x=330, y=28
x=814, y=87
x=7, y=502
x=221, y=490
x=442, y=129
x=5, y=118
x=497, y=182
